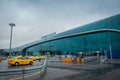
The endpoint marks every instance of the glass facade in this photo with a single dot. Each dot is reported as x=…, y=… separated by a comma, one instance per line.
x=82, y=40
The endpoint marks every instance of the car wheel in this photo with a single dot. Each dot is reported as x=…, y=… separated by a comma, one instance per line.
x=16, y=64
x=31, y=63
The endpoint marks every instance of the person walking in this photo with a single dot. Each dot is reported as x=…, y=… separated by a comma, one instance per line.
x=74, y=59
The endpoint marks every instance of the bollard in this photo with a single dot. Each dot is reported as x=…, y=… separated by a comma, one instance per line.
x=39, y=60
x=40, y=74
x=23, y=71
x=78, y=61
x=0, y=59
x=83, y=60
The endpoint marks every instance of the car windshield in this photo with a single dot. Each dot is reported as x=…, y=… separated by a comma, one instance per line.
x=12, y=57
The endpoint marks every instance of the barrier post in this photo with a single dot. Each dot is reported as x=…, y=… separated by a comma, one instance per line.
x=0, y=59
x=78, y=60
x=83, y=60
x=23, y=71
x=40, y=74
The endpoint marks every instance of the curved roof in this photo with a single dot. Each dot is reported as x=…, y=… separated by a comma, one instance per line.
x=108, y=23
x=111, y=23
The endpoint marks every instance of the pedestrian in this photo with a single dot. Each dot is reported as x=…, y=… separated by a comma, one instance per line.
x=75, y=59
x=82, y=60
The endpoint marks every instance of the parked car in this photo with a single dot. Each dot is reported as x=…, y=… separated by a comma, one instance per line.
x=41, y=57
x=33, y=58
x=20, y=61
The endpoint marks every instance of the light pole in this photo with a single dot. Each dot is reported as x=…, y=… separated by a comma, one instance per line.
x=12, y=25
x=109, y=44
x=108, y=39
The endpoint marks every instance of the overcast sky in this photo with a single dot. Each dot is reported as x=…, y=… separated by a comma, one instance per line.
x=37, y=18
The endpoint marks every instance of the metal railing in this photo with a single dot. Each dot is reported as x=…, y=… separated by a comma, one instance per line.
x=25, y=70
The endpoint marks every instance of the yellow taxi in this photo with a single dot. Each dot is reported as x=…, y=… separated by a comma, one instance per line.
x=20, y=61
x=33, y=58
x=41, y=57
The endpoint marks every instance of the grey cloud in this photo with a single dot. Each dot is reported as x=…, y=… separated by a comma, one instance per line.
x=36, y=18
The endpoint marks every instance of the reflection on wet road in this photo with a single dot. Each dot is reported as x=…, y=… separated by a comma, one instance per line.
x=55, y=73
x=88, y=71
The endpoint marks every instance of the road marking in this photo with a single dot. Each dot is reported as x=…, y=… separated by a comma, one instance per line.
x=25, y=76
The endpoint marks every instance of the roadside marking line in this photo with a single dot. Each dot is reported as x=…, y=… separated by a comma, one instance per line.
x=25, y=76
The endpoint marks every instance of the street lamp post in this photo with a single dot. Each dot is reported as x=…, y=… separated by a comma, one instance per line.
x=12, y=25
x=109, y=37
x=109, y=44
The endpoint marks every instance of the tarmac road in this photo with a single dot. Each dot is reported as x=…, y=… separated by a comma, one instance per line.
x=58, y=71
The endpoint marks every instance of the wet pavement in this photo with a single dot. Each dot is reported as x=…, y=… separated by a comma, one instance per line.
x=92, y=70
x=56, y=73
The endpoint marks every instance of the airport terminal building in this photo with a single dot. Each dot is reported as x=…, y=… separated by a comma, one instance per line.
x=99, y=36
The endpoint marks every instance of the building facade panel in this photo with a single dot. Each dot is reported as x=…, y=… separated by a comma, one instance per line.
x=85, y=43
